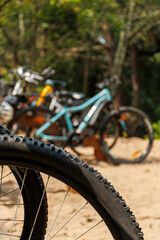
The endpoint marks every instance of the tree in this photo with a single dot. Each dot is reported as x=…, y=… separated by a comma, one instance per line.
x=83, y=40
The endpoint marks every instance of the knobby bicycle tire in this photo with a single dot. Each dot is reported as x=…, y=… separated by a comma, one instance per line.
x=136, y=144
x=44, y=157
x=31, y=194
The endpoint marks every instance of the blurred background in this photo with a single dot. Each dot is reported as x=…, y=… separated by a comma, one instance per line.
x=85, y=42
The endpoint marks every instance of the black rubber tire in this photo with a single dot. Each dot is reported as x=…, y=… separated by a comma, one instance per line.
x=114, y=116
x=31, y=194
x=89, y=183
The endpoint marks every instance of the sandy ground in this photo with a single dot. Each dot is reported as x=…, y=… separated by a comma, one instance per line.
x=138, y=184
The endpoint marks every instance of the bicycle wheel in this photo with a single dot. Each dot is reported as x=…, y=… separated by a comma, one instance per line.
x=20, y=224
x=137, y=138
x=28, y=120
x=13, y=181
x=108, y=216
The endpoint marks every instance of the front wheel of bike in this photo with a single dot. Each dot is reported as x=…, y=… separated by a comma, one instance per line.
x=135, y=135
x=104, y=212
x=20, y=193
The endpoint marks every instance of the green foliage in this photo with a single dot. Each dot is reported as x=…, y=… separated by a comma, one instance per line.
x=156, y=127
x=76, y=38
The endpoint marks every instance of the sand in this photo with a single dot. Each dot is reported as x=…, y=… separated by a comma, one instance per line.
x=140, y=186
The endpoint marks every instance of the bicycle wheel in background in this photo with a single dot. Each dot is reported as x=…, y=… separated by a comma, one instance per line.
x=28, y=120
x=135, y=134
x=101, y=211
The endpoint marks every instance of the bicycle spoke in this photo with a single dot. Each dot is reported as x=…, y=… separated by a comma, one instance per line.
x=15, y=190
x=57, y=213
x=89, y=229
x=7, y=175
x=18, y=203
x=69, y=220
x=5, y=234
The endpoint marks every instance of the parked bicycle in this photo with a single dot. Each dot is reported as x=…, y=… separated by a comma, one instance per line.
x=55, y=97
x=117, y=128
x=24, y=202
x=17, y=96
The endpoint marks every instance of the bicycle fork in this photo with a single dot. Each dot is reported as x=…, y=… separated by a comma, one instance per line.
x=121, y=121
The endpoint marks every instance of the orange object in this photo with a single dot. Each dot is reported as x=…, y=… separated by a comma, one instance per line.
x=40, y=120
x=135, y=153
x=46, y=90
x=37, y=121
x=123, y=117
x=93, y=141
x=71, y=190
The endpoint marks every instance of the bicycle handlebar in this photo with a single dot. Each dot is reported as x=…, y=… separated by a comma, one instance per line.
x=48, y=72
x=106, y=83
x=20, y=70
x=31, y=76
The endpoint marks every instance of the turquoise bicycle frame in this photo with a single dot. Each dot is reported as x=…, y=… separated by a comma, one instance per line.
x=95, y=101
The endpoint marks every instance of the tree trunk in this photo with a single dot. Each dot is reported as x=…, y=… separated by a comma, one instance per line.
x=86, y=73
x=122, y=49
x=12, y=45
x=21, y=30
x=22, y=55
x=134, y=77
x=109, y=48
